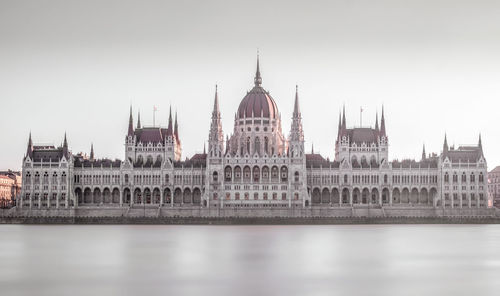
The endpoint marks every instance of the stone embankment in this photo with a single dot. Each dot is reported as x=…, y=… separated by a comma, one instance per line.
x=209, y=217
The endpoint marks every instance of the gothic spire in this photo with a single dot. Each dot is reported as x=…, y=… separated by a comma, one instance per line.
x=65, y=146
x=480, y=145
x=382, y=123
x=65, y=143
x=445, y=145
x=423, y=152
x=138, y=119
x=91, y=151
x=296, y=108
x=340, y=125
x=29, y=151
x=258, y=79
x=130, y=123
x=343, y=118
x=216, y=111
x=176, y=127
x=296, y=131
x=376, y=122
x=169, y=129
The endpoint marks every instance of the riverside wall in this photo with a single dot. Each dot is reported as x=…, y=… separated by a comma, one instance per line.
x=198, y=215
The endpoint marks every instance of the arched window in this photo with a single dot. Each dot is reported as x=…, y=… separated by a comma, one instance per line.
x=256, y=174
x=296, y=176
x=215, y=177
x=167, y=179
x=455, y=178
x=345, y=179
x=248, y=145
x=257, y=145
x=464, y=178
x=126, y=178
x=284, y=173
x=266, y=145
x=63, y=178
x=385, y=179
x=228, y=174
x=481, y=178
x=446, y=178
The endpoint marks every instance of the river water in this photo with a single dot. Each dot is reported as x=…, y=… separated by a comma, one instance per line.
x=250, y=260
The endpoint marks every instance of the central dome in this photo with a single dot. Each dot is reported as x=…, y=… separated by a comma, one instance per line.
x=258, y=103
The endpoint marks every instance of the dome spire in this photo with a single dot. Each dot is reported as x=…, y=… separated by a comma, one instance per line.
x=257, y=80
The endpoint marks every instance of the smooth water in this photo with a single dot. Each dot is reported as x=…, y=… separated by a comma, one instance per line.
x=250, y=260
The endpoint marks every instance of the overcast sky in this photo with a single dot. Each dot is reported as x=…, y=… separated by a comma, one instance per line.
x=76, y=66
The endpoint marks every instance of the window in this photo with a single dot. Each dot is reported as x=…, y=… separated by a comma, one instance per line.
x=296, y=176
x=446, y=178
x=215, y=177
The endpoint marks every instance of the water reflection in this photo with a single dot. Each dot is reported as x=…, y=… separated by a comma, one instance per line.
x=250, y=260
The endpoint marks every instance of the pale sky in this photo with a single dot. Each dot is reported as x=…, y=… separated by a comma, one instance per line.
x=76, y=66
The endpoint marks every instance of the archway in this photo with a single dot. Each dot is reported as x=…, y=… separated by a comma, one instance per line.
x=385, y=196
x=375, y=199
x=115, y=196
x=106, y=195
x=356, y=196
x=137, y=196
x=405, y=196
x=178, y=196
x=196, y=196
x=365, y=196
x=396, y=196
x=414, y=196
x=345, y=196
x=187, y=196
x=167, y=196
x=147, y=196
x=316, y=196
x=97, y=196
x=424, y=196
x=335, y=196
x=79, y=195
x=156, y=196
x=126, y=196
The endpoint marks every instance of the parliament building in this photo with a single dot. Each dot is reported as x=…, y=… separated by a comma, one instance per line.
x=256, y=170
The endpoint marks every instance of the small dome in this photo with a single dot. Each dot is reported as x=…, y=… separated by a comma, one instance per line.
x=258, y=102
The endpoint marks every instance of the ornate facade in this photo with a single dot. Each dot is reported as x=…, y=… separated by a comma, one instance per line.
x=257, y=166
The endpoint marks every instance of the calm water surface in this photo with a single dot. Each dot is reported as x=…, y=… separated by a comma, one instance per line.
x=250, y=260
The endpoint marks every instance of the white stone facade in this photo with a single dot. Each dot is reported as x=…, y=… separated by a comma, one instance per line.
x=256, y=168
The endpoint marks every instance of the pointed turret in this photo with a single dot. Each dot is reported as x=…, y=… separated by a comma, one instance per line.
x=312, y=148
x=296, y=131
x=343, y=119
x=176, y=128
x=29, y=151
x=382, y=123
x=130, y=124
x=91, y=151
x=423, y=152
x=258, y=79
x=296, y=107
x=138, y=119
x=215, y=135
x=480, y=145
x=65, y=146
x=340, y=125
x=445, y=145
x=169, y=128
x=376, y=122
x=204, y=149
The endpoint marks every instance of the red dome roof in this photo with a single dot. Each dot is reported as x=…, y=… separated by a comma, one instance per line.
x=258, y=102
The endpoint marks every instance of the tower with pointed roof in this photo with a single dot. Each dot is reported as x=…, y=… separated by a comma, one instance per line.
x=215, y=135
